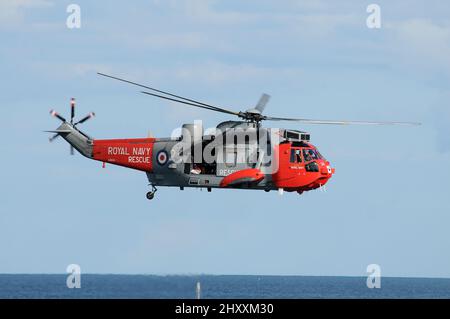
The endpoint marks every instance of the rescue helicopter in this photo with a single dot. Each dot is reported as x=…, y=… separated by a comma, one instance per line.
x=238, y=154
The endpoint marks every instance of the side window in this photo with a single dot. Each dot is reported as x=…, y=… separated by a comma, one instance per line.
x=309, y=155
x=298, y=156
x=292, y=156
x=295, y=156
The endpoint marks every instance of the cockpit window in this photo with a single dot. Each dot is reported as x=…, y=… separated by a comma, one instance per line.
x=310, y=155
x=296, y=156
x=320, y=155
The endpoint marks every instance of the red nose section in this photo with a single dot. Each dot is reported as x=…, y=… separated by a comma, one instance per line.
x=326, y=171
x=133, y=153
x=297, y=172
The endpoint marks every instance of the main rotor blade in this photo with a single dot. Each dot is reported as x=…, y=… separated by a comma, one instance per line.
x=263, y=100
x=192, y=104
x=332, y=122
x=211, y=107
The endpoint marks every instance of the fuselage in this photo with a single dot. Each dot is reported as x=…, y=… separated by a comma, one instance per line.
x=284, y=164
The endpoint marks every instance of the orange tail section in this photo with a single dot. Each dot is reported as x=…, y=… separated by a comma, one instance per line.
x=134, y=153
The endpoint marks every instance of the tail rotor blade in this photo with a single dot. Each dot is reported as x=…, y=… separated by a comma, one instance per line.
x=71, y=150
x=52, y=138
x=72, y=110
x=84, y=119
x=57, y=115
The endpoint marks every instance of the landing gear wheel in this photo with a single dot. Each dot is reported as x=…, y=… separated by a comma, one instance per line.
x=151, y=194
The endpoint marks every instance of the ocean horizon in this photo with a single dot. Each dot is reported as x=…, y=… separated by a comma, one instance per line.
x=125, y=286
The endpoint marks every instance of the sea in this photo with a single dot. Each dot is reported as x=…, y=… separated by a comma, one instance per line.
x=217, y=287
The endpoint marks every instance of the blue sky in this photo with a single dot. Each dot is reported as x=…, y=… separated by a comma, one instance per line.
x=387, y=203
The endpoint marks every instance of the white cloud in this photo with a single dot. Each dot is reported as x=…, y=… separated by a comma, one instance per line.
x=206, y=73
x=204, y=12
x=441, y=121
x=12, y=13
x=308, y=15
x=180, y=40
x=69, y=70
x=215, y=72
x=319, y=24
x=422, y=43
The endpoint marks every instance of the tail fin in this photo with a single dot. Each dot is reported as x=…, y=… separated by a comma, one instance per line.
x=76, y=138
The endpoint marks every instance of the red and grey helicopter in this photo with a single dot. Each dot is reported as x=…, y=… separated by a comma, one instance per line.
x=237, y=154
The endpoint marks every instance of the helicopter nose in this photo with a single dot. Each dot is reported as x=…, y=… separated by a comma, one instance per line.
x=326, y=169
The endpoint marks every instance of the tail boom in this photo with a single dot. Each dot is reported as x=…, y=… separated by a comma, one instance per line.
x=135, y=153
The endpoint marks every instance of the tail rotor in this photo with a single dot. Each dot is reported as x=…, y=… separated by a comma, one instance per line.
x=72, y=116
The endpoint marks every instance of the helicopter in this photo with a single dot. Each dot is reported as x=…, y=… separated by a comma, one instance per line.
x=236, y=154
